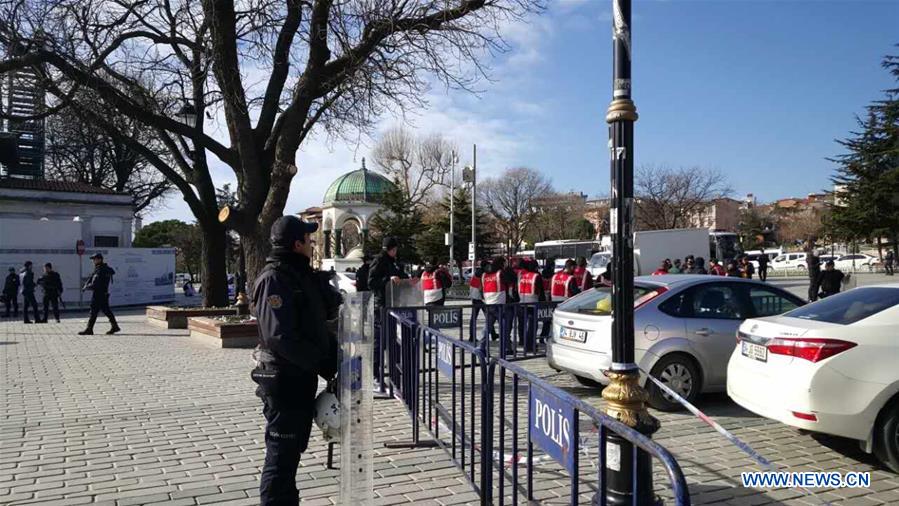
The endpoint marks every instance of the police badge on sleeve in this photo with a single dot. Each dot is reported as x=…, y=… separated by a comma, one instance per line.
x=275, y=301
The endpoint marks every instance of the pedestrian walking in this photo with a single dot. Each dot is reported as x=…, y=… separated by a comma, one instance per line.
x=51, y=282
x=296, y=311
x=98, y=283
x=813, y=263
x=716, y=269
x=889, y=262
x=11, y=292
x=763, y=266
x=28, y=300
x=830, y=280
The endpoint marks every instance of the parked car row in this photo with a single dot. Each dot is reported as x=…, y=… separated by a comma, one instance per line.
x=797, y=261
x=828, y=366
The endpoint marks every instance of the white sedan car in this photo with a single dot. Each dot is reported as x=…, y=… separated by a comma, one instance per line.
x=830, y=367
x=854, y=262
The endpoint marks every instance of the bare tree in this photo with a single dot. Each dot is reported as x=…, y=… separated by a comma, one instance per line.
x=418, y=164
x=80, y=151
x=671, y=198
x=511, y=200
x=277, y=71
x=556, y=216
x=805, y=226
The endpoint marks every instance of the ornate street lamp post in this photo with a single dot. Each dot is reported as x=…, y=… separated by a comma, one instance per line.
x=626, y=400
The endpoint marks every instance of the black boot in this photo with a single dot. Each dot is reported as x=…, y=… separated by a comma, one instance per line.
x=113, y=330
x=86, y=332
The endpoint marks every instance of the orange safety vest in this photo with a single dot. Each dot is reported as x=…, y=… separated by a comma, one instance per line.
x=431, y=287
x=561, y=286
x=474, y=288
x=527, y=288
x=494, y=288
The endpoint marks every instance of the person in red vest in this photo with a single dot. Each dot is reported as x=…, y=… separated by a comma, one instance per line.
x=496, y=282
x=564, y=284
x=582, y=275
x=716, y=269
x=476, y=293
x=530, y=291
x=432, y=285
x=663, y=269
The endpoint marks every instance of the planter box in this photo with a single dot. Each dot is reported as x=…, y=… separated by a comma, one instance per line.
x=223, y=334
x=176, y=318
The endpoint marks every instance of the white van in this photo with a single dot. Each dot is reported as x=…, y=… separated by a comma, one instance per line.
x=788, y=261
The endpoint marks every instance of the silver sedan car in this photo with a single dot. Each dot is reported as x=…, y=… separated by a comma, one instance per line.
x=685, y=328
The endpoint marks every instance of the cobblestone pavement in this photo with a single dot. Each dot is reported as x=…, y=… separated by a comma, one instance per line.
x=150, y=416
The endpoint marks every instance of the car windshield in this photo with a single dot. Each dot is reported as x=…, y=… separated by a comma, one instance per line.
x=351, y=275
x=849, y=307
x=598, y=301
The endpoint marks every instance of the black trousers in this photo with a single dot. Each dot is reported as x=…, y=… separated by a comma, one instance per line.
x=54, y=300
x=100, y=303
x=12, y=300
x=813, y=287
x=288, y=425
x=887, y=266
x=763, y=273
x=30, y=301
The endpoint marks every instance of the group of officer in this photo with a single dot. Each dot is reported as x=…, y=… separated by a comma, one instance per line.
x=51, y=283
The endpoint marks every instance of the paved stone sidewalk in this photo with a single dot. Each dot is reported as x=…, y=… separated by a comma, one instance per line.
x=150, y=416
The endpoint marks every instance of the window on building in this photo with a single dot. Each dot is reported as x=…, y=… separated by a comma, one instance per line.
x=106, y=241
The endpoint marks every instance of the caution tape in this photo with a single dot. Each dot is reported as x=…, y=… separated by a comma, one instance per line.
x=745, y=448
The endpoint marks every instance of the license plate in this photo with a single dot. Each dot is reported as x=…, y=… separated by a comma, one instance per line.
x=573, y=334
x=755, y=351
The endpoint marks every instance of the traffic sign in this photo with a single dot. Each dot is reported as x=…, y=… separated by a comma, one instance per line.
x=79, y=247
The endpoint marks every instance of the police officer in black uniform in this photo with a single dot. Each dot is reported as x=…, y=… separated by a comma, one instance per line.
x=28, y=286
x=297, y=309
x=11, y=292
x=51, y=282
x=98, y=284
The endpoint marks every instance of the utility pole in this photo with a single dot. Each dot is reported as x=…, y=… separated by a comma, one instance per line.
x=474, y=206
x=452, y=237
x=625, y=397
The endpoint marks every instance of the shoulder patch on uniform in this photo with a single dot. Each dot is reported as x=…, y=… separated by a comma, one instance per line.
x=275, y=301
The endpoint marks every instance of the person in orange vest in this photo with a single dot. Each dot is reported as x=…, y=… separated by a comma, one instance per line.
x=432, y=285
x=564, y=284
x=583, y=276
x=530, y=291
x=497, y=281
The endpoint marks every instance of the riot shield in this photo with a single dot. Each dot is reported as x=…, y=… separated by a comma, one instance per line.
x=405, y=293
x=356, y=336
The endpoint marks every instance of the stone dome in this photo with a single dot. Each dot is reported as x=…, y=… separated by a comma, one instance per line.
x=360, y=185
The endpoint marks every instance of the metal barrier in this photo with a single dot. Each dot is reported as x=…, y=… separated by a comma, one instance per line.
x=459, y=394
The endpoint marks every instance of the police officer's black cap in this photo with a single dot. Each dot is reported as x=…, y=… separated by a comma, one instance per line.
x=12, y=269
x=96, y=256
x=288, y=229
x=390, y=243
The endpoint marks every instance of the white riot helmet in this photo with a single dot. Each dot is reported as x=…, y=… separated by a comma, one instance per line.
x=327, y=413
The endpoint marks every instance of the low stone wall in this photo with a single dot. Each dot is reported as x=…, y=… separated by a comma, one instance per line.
x=223, y=334
x=176, y=318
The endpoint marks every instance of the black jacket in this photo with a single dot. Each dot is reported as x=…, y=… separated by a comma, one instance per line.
x=11, y=285
x=52, y=284
x=100, y=280
x=293, y=305
x=362, y=278
x=829, y=281
x=383, y=268
x=28, y=283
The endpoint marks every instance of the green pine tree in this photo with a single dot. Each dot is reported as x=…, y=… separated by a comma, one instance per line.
x=398, y=218
x=431, y=242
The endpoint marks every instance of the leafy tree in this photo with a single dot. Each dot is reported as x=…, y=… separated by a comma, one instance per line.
x=174, y=233
x=755, y=228
x=431, y=242
x=867, y=199
x=398, y=218
x=584, y=230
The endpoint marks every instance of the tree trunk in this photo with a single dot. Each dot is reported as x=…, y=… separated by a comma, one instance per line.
x=256, y=247
x=213, y=270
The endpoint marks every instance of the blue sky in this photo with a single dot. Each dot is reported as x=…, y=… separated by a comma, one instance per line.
x=758, y=90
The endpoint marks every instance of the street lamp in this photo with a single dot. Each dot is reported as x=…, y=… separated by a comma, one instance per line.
x=626, y=399
x=187, y=114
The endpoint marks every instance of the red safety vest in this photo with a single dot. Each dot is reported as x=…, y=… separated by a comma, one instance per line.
x=561, y=286
x=582, y=274
x=494, y=288
x=527, y=286
x=474, y=288
x=431, y=287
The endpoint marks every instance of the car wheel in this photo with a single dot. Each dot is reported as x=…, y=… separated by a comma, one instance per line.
x=587, y=382
x=886, y=437
x=801, y=267
x=679, y=373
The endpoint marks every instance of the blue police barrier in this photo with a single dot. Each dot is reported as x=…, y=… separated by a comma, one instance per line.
x=459, y=394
